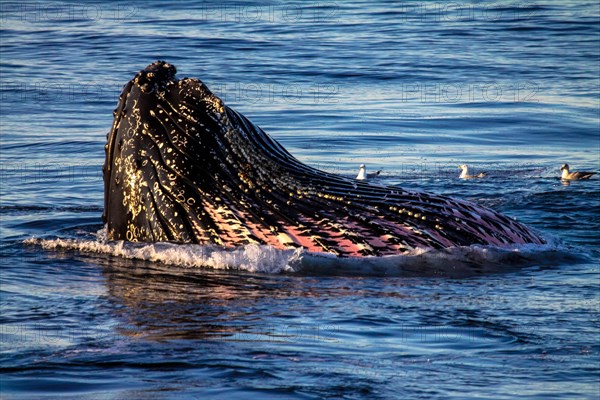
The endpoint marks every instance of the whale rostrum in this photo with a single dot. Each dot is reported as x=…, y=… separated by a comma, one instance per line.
x=183, y=167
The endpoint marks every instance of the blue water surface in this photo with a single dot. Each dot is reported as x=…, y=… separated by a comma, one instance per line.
x=413, y=88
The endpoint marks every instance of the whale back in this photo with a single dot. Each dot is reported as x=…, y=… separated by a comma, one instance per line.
x=181, y=166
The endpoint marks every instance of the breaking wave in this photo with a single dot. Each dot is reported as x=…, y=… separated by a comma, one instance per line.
x=451, y=262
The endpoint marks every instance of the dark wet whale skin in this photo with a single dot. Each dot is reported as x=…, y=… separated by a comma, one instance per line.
x=181, y=166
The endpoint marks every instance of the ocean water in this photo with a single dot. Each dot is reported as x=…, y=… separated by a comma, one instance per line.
x=413, y=88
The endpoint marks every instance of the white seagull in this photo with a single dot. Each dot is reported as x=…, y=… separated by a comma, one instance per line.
x=465, y=173
x=362, y=173
x=574, y=176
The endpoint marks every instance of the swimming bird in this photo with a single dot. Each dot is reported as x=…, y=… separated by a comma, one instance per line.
x=465, y=173
x=574, y=176
x=362, y=173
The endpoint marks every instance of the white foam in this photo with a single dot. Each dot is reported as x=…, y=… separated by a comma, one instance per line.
x=458, y=261
x=251, y=258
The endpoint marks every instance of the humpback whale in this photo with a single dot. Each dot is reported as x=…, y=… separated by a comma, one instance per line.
x=181, y=166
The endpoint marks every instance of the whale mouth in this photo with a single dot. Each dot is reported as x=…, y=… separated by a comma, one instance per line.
x=183, y=167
